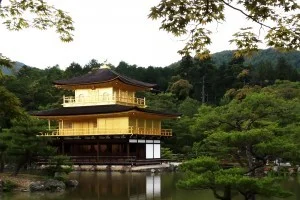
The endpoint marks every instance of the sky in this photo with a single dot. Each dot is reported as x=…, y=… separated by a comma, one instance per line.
x=112, y=30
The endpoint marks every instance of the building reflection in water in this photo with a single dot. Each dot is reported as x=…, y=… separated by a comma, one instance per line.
x=153, y=189
x=118, y=186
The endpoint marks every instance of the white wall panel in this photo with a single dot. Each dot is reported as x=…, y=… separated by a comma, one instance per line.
x=149, y=151
x=156, y=151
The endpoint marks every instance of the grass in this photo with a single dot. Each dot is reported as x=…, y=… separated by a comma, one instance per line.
x=21, y=180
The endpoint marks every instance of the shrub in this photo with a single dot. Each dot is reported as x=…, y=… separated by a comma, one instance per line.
x=59, y=164
x=8, y=186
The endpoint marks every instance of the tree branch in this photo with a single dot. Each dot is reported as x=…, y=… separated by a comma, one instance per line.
x=224, y=122
x=216, y=195
x=247, y=15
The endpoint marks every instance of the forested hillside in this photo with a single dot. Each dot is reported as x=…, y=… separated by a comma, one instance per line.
x=182, y=88
x=262, y=56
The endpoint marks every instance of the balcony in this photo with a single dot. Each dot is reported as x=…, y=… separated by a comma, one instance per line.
x=105, y=132
x=71, y=101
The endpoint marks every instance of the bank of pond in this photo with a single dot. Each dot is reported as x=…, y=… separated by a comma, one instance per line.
x=132, y=186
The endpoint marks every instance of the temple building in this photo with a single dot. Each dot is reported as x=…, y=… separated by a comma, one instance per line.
x=104, y=121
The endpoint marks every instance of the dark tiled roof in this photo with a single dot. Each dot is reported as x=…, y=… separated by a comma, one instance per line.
x=104, y=109
x=101, y=76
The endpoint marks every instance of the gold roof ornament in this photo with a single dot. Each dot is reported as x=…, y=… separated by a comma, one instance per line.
x=104, y=65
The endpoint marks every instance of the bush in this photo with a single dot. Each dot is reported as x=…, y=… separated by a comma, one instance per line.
x=59, y=164
x=8, y=186
x=166, y=153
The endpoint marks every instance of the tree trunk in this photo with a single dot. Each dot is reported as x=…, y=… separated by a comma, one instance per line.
x=250, y=197
x=203, y=89
x=227, y=193
x=19, y=166
x=2, y=162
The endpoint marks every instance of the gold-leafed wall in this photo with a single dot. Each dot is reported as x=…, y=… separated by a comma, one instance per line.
x=113, y=124
x=145, y=123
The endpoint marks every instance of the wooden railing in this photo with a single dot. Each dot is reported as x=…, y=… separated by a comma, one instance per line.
x=69, y=101
x=100, y=131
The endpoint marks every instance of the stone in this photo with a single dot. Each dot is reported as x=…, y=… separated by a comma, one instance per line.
x=275, y=169
x=76, y=167
x=116, y=168
x=37, y=186
x=87, y=168
x=101, y=168
x=54, y=185
x=59, y=174
x=71, y=183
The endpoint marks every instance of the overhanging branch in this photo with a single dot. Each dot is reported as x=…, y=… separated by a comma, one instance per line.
x=249, y=16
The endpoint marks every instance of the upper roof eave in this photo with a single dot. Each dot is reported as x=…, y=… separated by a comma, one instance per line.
x=102, y=76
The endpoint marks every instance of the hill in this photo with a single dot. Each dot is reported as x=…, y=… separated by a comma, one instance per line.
x=16, y=67
x=266, y=55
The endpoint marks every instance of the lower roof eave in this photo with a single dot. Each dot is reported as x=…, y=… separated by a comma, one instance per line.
x=117, y=114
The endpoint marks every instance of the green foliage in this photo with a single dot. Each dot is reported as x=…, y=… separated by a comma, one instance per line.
x=166, y=153
x=193, y=18
x=9, y=186
x=9, y=107
x=189, y=107
x=4, y=62
x=256, y=125
x=60, y=164
x=24, y=144
x=18, y=15
x=181, y=88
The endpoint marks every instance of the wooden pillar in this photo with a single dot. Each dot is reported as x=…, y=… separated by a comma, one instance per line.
x=128, y=149
x=98, y=150
x=62, y=146
x=49, y=124
x=62, y=127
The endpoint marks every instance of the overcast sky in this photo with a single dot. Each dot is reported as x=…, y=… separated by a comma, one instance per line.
x=116, y=30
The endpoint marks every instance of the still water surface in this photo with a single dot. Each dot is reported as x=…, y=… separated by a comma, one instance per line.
x=131, y=186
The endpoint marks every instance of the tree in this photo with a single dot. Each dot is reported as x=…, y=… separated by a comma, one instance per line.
x=18, y=15
x=9, y=107
x=285, y=71
x=257, y=125
x=181, y=89
x=181, y=17
x=4, y=62
x=209, y=173
x=24, y=144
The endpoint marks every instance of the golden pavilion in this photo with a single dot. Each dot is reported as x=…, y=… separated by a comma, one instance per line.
x=104, y=122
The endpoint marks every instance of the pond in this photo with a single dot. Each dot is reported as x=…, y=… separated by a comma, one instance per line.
x=131, y=186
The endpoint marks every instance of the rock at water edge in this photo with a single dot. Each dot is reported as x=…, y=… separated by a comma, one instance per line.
x=71, y=183
x=54, y=185
x=36, y=186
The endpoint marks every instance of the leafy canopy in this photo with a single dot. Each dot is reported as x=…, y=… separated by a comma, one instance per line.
x=279, y=18
x=255, y=126
x=18, y=15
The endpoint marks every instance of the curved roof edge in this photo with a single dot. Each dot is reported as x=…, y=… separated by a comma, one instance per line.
x=102, y=109
x=102, y=76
